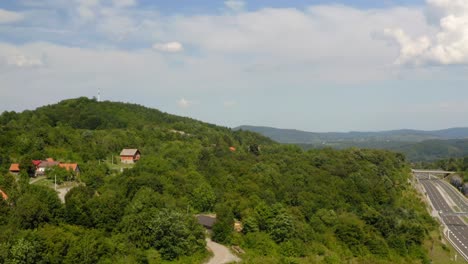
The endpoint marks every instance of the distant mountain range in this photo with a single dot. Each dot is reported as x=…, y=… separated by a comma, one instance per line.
x=404, y=135
x=417, y=145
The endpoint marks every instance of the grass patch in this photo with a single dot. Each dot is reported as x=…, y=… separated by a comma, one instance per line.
x=119, y=166
x=44, y=182
x=440, y=250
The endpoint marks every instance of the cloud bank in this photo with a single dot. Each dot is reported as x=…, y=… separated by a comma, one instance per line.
x=171, y=47
x=235, y=5
x=448, y=46
x=9, y=16
x=305, y=58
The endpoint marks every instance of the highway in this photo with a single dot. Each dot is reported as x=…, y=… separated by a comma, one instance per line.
x=448, y=202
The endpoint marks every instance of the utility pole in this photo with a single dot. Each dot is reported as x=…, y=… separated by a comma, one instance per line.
x=55, y=185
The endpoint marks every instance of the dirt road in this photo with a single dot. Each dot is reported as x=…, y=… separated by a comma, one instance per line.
x=221, y=254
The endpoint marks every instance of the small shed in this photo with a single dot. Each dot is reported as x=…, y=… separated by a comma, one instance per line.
x=130, y=156
x=14, y=169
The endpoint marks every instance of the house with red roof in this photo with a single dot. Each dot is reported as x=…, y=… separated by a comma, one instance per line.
x=43, y=165
x=14, y=168
x=130, y=156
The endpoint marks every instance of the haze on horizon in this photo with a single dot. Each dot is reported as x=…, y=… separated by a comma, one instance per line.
x=308, y=65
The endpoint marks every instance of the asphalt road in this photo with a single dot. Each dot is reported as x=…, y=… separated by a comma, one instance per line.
x=457, y=228
x=455, y=195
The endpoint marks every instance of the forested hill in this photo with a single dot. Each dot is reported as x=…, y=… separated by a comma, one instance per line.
x=83, y=129
x=296, y=206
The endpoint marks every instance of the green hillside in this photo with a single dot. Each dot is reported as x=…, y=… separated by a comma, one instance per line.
x=296, y=206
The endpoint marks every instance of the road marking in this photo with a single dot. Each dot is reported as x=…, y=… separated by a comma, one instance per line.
x=454, y=223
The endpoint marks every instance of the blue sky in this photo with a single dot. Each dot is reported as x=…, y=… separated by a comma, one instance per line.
x=310, y=65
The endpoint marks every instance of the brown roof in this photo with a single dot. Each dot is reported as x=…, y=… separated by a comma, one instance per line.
x=129, y=152
x=206, y=220
x=4, y=195
x=47, y=164
x=50, y=160
x=69, y=166
x=14, y=167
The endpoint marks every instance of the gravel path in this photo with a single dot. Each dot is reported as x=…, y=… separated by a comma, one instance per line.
x=33, y=180
x=221, y=254
x=62, y=192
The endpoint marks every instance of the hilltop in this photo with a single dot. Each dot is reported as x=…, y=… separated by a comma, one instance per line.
x=83, y=129
x=295, y=206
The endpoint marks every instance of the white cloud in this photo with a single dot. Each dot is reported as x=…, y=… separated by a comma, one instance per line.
x=171, y=47
x=229, y=104
x=86, y=9
x=124, y=3
x=332, y=43
x=184, y=103
x=448, y=46
x=410, y=49
x=16, y=57
x=9, y=16
x=115, y=26
x=235, y=5
x=23, y=61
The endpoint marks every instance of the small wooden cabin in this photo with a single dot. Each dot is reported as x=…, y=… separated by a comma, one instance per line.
x=130, y=156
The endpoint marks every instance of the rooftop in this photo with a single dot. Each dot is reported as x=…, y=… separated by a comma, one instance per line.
x=14, y=167
x=69, y=166
x=206, y=220
x=47, y=164
x=128, y=152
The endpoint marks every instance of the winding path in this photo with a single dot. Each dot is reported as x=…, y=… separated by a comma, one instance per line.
x=221, y=254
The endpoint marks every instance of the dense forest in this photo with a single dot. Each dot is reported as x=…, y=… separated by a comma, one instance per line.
x=424, y=151
x=296, y=206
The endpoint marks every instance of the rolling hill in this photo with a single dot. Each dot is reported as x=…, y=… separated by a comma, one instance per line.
x=417, y=145
x=295, y=206
x=293, y=136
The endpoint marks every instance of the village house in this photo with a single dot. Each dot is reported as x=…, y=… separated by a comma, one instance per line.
x=14, y=169
x=208, y=221
x=129, y=156
x=43, y=165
